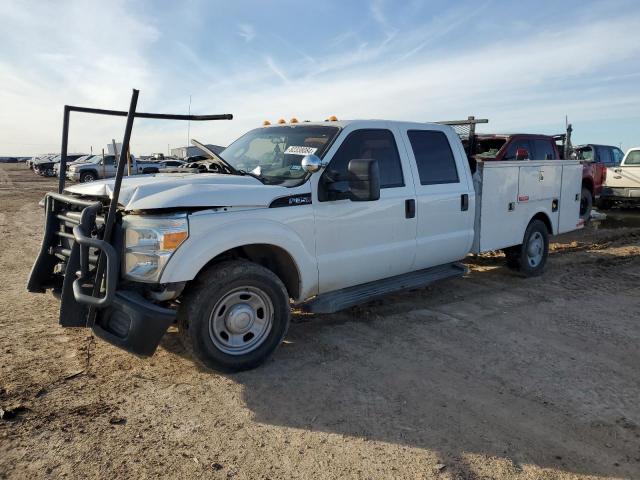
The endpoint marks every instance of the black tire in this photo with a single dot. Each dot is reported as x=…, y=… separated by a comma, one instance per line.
x=520, y=257
x=87, y=177
x=511, y=254
x=605, y=204
x=586, y=204
x=201, y=308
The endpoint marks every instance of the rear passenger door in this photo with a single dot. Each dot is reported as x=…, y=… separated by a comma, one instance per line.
x=444, y=194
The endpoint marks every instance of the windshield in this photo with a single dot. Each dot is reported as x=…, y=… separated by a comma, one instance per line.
x=274, y=154
x=488, y=147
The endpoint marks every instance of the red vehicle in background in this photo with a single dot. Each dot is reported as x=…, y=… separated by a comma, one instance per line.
x=524, y=146
x=595, y=160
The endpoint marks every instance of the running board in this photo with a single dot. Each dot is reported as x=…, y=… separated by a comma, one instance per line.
x=348, y=297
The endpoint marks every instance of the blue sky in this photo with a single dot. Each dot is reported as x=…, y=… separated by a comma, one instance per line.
x=523, y=65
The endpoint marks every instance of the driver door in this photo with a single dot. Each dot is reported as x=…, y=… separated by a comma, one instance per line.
x=358, y=242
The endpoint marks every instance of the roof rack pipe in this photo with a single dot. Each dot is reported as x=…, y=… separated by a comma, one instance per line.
x=113, y=204
x=158, y=116
x=63, y=149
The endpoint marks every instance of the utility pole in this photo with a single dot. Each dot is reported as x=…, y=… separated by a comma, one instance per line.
x=189, y=123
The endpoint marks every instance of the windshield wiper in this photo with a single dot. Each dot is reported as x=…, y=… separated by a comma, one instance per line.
x=215, y=157
x=251, y=174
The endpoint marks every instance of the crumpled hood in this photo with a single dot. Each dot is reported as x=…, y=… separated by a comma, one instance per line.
x=176, y=190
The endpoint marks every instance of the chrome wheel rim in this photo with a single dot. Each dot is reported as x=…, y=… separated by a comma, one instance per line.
x=241, y=320
x=535, y=249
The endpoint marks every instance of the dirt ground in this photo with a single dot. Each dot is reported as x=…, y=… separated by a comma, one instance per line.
x=487, y=376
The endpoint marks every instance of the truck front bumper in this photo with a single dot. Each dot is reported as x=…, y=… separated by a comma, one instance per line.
x=67, y=264
x=613, y=193
x=133, y=323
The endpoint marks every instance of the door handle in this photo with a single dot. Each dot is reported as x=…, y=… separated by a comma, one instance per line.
x=464, y=202
x=410, y=208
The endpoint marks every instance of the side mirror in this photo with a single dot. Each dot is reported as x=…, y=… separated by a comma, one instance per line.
x=311, y=163
x=522, y=154
x=364, y=180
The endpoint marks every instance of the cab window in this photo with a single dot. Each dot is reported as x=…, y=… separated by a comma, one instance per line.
x=585, y=153
x=514, y=146
x=633, y=158
x=543, y=149
x=434, y=158
x=604, y=155
x=376, y=144
x=617, y=156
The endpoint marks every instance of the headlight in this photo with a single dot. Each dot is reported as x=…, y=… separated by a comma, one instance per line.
x=149, y=243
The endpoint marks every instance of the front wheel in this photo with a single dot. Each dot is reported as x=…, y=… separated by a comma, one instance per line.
x=87, y=177
x=234, y=316
x=530, y=258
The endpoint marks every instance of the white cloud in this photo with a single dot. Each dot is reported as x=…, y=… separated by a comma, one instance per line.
x=276, y=69
x=246, y=31
x=532, y=79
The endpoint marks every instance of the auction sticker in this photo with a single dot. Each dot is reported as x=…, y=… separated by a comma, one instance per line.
x=295, y=150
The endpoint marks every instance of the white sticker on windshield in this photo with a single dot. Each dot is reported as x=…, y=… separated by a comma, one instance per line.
x=296, y=150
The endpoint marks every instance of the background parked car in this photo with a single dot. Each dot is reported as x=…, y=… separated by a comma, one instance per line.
x=45, y=165
x=172, y=163
x=86, y=158
x=505, y=147
x=595, y=160
x=622, y=185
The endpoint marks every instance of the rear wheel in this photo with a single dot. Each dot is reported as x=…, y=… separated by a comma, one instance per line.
x=586, y=204
x=234, y=316
x=605, y=204
x=530, y=258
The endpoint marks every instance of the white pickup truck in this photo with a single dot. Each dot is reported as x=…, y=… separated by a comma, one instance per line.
x=104, y=166
x=622, y=184
x=321, y=216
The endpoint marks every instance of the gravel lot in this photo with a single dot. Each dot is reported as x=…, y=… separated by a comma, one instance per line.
x=488, y=376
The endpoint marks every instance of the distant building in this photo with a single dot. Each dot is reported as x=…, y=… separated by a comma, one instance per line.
x=184, y=152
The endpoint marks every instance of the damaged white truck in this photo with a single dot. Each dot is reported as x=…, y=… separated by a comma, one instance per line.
x=321, y=216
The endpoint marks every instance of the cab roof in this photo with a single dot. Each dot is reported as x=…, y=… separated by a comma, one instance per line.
x=367, y=122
